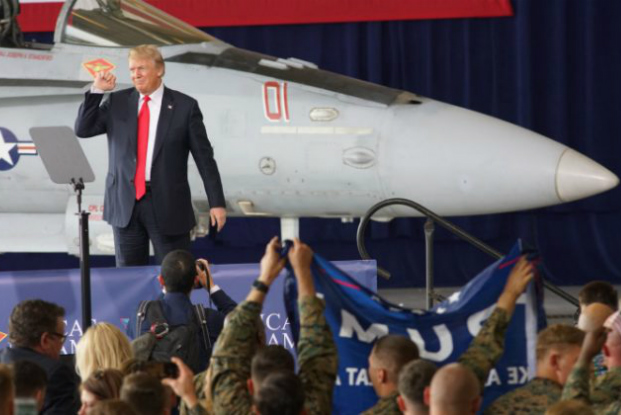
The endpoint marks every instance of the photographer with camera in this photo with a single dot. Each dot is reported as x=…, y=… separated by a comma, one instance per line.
x=174, y=327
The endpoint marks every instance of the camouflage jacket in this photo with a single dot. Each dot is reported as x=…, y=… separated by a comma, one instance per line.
x=534, y=398
x=317, y=359
x=605, y=393
x=487, y=347
x=199, y=388
x=385, y=406
x=198, y=409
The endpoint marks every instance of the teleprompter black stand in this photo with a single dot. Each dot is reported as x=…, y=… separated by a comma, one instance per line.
x=66, y=163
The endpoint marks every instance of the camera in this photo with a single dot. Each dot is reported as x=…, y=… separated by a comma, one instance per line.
x=169, y=370
x=203, y=268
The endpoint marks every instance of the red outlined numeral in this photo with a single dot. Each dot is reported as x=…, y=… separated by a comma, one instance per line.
x=275, y=101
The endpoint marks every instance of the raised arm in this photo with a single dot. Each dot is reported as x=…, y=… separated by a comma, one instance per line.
x=317, y=354
x=238, y=342
x=577, y=384
x=488, y=346
x=92, y=117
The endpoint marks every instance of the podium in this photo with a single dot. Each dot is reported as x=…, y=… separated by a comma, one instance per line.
x=66, y=163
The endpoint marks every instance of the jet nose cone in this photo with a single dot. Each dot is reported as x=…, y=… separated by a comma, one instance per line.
x=578, y=176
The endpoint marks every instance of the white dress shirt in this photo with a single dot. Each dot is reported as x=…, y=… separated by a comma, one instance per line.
x=155, y=106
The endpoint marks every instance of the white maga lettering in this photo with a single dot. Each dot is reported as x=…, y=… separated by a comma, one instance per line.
x=444, y=338
x=349, y=326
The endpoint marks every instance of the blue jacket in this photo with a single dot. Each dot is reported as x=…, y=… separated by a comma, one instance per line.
x=178, y=310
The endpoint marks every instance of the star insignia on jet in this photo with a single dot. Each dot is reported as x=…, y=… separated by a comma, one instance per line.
x=98, y=65
x=7, y=147
x=11, y=149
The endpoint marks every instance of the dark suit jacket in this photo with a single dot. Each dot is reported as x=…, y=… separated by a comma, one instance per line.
x=61, y=397
x=180, y=131
x=178, y=310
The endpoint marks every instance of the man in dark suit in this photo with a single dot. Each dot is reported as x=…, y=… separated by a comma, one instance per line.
x=36, y=334
x=179, y=274
x=151, y=131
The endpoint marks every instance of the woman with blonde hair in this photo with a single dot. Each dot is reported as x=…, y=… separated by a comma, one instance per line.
x=103, y=346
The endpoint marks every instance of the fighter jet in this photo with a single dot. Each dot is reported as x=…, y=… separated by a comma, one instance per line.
x=291, y=140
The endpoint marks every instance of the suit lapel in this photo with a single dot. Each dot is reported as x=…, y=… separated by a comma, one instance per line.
x=132, y=119
x=166, y=113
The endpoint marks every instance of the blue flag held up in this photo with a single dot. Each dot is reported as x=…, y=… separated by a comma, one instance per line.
x=357, y=317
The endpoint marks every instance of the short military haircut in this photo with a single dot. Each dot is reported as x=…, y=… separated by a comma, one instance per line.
x=394, y=351
x=145, y=393
x=112, y=407
x=104, y=384
x=269, y=359
x=179, y=271
x=570, y=407
x=6, y=387
x=28, y=378
x=281, y=393
x=147, y=52
x=414, y=378
x=453, y=388
x=30, y=319
x=558, y=336
x=599, y=292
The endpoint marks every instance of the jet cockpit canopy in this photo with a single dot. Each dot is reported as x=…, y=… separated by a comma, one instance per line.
x=10, y=33
x=121, y=23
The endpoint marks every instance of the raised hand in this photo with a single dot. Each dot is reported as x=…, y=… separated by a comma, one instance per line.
x=300, y=255
x=271, y=263
x=105, y=81
x=300, y=258
x=521, y=274
x=183, y=385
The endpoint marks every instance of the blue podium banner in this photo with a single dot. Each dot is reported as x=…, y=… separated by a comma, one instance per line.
x=358, y=316
x=116, y=292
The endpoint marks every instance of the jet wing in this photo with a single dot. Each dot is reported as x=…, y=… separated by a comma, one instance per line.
x=42, y=232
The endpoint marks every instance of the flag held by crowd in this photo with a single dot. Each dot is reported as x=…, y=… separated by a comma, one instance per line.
x=357, y=317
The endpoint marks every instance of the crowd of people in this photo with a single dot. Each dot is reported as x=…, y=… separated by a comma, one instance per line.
x=216, y=361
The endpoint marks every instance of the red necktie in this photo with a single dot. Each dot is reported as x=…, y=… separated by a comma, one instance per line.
x=143, y=144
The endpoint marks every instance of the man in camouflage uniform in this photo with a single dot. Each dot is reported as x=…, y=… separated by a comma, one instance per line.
x=317, y=355
x=388, y=356
x=201, y=386
x=558, y=347
x=445, y=396
x=605, y=393
x=202, y=381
